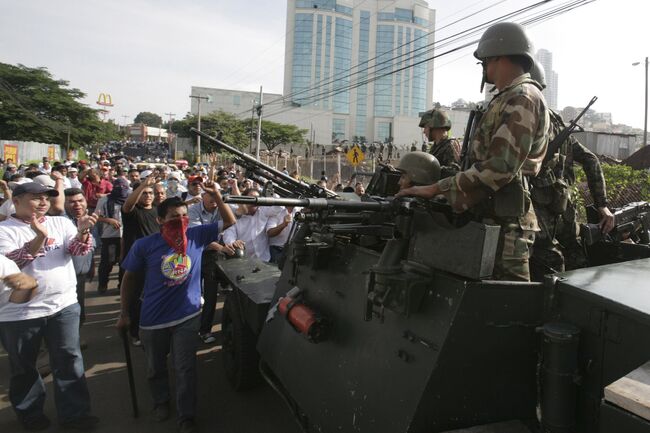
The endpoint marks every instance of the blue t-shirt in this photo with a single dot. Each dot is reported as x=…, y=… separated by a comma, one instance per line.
x=172, y=282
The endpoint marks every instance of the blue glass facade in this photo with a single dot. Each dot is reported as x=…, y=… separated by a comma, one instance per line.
x=362, y=91
x=320, y=4
x=384, y=85
x=383, y=131
x=301, y=69
x=419, y=80
x=328, y=60
x=338, y=129
x=342, y=64
x=322, y=58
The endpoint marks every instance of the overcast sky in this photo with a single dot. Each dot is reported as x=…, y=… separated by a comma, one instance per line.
x=147, y=54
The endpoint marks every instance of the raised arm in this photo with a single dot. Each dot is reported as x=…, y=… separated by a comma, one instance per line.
x=133, y=199
x=224, y=210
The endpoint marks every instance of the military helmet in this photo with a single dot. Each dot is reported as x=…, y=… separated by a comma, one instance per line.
x=537, y=73
x=435, y=119
x=421, y=167
x=505, y=39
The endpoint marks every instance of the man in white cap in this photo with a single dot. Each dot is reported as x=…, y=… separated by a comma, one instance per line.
x=73, y=176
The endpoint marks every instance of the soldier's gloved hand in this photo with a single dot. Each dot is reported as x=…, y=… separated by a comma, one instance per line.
x=607, y=220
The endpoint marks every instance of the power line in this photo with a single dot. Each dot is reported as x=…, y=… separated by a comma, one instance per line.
x=428, y=47
x=543, y=16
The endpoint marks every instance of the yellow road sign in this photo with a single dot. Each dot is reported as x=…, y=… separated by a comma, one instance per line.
x=355, y=156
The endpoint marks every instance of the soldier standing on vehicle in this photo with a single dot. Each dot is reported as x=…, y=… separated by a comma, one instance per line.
x=509, y=145
x=557, y=246
x=436, y=126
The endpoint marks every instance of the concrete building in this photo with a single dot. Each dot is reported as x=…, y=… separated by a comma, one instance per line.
x=332, y=48
x=545, y=58
x=618, y=146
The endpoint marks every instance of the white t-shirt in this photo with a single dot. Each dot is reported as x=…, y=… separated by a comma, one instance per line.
x=108, y=231
x=74, y=182
x=251, y=230
x=57, y=282
x=7, y=267
x=7, y=208
x=277, y=220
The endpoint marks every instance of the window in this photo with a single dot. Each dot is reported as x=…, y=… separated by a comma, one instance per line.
x=384, y=85
x=338, y=129
x=404, y=15
x=236, y=100
x=342, y=64
x=383, y=131
x=301, y=68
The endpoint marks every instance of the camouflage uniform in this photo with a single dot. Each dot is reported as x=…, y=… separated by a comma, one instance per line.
x=446, y=151
x=508, y=145
x=557, y=246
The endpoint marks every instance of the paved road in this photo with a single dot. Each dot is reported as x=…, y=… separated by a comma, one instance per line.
x=219, y=408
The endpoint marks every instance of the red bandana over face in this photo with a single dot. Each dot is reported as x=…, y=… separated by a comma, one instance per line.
x=174, y=233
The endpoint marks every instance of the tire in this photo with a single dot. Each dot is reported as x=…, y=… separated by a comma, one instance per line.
x=240, y=356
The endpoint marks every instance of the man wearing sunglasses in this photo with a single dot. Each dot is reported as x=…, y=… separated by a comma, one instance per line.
x=508, y=146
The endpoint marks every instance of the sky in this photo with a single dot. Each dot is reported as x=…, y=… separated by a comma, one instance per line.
x=147, y=54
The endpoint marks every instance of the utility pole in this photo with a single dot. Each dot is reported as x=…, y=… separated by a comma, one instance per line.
x=259, y=125
x=312, y=137
x=250, y=148
x=645, y=117
x=198, y=98
x=169, y=133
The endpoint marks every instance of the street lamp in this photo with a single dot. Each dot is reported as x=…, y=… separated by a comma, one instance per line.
x=645, y=117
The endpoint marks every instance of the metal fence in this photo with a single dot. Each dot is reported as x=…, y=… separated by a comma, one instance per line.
x=23, y=151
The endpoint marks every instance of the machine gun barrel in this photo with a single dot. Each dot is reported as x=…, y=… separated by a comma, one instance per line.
x=298, y=187
x=312, y=203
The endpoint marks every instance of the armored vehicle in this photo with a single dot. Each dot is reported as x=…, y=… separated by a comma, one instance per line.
x=382, y=318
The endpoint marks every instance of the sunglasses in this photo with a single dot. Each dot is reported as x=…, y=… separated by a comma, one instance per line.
x=196, y=183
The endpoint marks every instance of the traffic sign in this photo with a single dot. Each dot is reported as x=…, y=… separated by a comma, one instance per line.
x=355, y=156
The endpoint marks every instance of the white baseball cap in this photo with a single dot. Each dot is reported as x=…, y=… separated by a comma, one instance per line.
x=45, y=180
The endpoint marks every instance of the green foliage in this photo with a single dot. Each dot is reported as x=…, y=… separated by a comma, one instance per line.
x=219, y=124
x=149, y=119
x=36, y=107
x=275, y=134
x=623, y=185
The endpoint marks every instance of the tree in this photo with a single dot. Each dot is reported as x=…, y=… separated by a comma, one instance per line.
x=275, y=134
x=36, y=107
x=148, y=118
x=226, y=126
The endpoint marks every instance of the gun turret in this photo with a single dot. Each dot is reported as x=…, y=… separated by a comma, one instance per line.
x=630, y=222
x=315, y=203
x=283, y=184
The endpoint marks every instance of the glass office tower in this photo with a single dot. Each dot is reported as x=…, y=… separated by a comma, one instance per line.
x=334, y=47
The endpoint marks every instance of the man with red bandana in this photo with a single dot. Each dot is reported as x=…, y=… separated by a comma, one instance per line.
x=168, y=265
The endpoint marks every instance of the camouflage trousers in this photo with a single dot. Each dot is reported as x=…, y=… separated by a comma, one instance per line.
x=558, y=246
x=513, y=251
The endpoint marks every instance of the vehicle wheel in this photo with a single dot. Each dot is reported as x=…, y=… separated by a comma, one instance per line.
x=240, y=357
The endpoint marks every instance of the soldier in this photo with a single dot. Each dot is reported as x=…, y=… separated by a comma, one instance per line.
x=418, y=168
x=509, y=145
x=436, y=126
x=557, y=246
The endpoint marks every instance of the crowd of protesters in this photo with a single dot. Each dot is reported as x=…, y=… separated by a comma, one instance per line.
x=163, y=228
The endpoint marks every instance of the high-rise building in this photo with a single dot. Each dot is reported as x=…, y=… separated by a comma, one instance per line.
x=334, y=46
x=545, y=58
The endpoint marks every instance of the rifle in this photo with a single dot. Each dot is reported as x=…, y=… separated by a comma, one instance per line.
x=274, y=180
x=632, y=220
x=474, y=118
x=563, y=135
